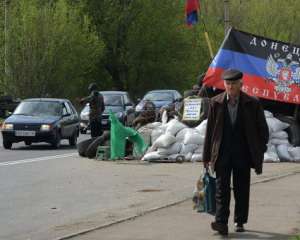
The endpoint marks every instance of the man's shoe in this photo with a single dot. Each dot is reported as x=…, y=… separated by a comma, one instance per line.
x=239, y=227
x=222, y=228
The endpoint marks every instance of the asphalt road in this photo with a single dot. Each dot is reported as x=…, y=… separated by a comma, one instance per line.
x=20, y=151
x=47, y=194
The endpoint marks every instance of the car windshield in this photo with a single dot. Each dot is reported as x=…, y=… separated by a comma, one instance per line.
x=36, y=108
x=159, y=96
x=112, y=100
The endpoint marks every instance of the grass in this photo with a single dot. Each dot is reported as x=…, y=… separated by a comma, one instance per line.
x=295, y=238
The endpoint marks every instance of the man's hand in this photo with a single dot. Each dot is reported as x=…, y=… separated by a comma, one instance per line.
x=206, y=164
x=258, y=171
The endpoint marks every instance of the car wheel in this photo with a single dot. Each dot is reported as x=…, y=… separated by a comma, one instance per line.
x=27, y=143
x=56, y=141
x=73, y=139
x=7, y=144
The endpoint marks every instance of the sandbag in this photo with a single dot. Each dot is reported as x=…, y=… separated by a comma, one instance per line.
x=194, y=137
x=146, y=134
x=295, y=153
x=283, y=153
x=276, y=125
x=174, y=126
x=83, y=145
x=173, y=149
x=180, y=135
x=188, y=148
x=196, y=157
x=271, y=154
x=268, y=114
x=278, y=141
x=202, y=127
x=164, y=141
x=199, y=149
x=280, y=134
x=157, y=132
x=188, y=156
x=151, y=156
x=153, y=125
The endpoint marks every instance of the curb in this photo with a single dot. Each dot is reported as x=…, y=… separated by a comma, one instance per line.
x=82, y=232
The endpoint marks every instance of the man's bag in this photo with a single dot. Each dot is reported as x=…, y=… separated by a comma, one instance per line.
x=204, y=193
x=209, y=193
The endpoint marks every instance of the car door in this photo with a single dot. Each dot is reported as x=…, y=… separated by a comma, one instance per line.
x=67, y=121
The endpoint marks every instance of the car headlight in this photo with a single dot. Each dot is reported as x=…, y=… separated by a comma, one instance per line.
x=45, y=127
x=8, y=126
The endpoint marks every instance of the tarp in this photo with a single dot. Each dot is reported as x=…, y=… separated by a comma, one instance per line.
x=271, y=68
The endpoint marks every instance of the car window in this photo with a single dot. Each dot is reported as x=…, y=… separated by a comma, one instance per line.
x=68, y=109
x=113, y=100
x=159, y=96
x=36, y=108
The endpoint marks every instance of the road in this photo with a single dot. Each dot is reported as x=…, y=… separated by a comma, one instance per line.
x=47, y=194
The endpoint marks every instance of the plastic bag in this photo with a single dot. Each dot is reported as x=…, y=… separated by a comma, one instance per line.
x=118, y=135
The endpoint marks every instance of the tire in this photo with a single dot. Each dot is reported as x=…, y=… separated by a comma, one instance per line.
x=7, y=144
x=83, y=145
x=56, y=141
x=28, y=143
x=73, y=139
x=83, y=131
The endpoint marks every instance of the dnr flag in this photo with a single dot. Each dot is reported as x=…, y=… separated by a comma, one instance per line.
x=191, y=12
x=271, y=68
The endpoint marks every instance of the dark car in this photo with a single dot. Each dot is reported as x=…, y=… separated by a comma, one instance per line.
x=118, y=102
x=41, y=120
x=160, y=98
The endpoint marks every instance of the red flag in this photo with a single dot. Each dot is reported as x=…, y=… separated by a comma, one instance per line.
x=191, y=11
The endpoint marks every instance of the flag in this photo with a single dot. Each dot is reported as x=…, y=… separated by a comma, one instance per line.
x=191, y=11
x=271, y=68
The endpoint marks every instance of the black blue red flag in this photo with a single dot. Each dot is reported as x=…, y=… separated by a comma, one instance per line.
x=271, y=68
x=191, y=11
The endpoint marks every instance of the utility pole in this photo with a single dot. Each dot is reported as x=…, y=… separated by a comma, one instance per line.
x=5, y=37
x=226, y=16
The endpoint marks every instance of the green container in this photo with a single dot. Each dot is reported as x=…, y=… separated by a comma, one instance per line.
x=103, y=153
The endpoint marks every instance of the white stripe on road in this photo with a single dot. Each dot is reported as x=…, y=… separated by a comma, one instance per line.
x=37, y=159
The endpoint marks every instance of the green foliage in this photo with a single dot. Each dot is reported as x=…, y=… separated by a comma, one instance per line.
x=51, y=49
x=57, y=47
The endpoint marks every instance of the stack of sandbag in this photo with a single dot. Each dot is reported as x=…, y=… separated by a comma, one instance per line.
x=278, y=142
x=175, y=140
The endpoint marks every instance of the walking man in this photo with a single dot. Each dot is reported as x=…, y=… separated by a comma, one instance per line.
x=235, y=142
x=96, y=101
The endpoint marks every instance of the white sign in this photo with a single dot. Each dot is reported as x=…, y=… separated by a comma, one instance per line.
x=192, y=108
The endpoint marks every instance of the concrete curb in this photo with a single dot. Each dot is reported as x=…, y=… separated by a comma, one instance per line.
x=267, y=179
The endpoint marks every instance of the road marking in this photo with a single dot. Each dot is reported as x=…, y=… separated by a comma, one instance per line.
x=37, y=159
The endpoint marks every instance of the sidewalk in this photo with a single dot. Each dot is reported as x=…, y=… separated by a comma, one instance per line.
x=274, y=214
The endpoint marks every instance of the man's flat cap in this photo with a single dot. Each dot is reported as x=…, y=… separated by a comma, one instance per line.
x=232, y=75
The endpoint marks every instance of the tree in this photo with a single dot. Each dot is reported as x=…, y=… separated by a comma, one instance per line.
x=52, y=49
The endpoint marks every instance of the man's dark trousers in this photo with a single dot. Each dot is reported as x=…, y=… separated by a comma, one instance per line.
x=241, y=188
x=96, y=128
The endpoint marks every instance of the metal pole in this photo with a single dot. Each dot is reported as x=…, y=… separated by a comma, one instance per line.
x=5, y=38
x=226, y=16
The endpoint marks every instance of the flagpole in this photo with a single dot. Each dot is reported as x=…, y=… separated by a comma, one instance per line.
x=207, y=39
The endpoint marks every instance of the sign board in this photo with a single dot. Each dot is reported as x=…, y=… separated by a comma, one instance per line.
x=191, y=109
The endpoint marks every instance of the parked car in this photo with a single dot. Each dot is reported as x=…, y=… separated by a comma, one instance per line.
x=119, y=102
x=160, y=98
x=41, y=120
